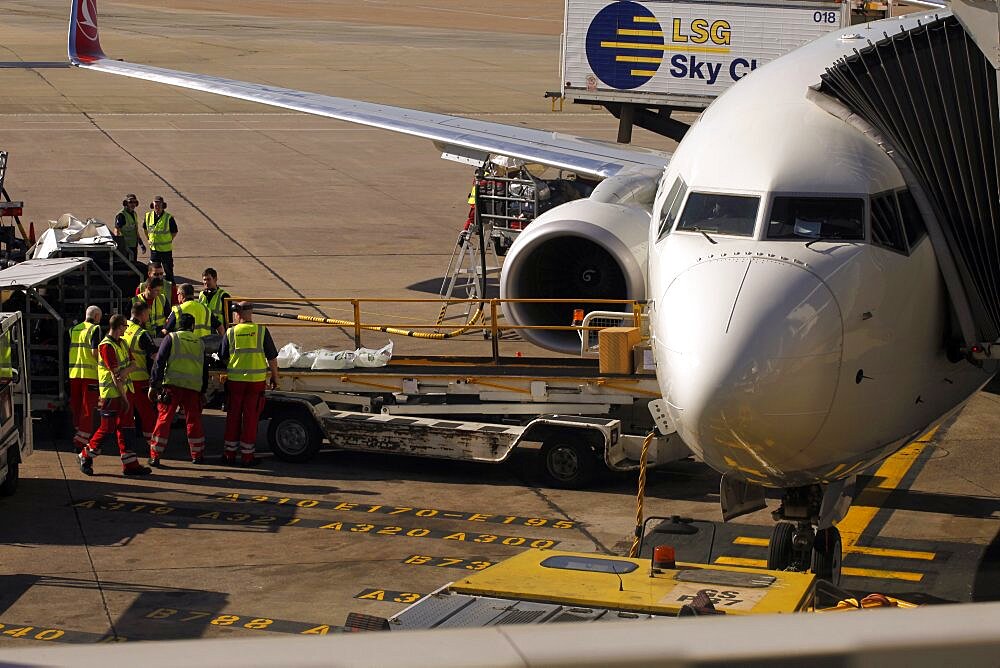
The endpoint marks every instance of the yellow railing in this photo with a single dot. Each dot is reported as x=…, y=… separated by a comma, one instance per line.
x=487, y=316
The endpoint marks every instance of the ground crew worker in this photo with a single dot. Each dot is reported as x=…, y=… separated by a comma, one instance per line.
x=127, y=228
x=114, y=364
x=143, y=350
x=84, y=340
x=155, y=270
x=156, y=302
x=251, y=359
x=213, y=296
x=205, y=323
x=179, y=378
x=161, y=228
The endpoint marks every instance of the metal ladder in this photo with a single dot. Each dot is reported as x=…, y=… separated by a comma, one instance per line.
x=464, y=277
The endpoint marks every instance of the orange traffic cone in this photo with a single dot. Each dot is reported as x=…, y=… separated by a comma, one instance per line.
x=31, y=234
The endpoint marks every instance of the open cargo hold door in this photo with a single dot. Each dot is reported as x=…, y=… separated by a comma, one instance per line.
x=929, y=96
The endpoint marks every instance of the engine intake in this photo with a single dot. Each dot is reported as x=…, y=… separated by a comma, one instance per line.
x=579, y=251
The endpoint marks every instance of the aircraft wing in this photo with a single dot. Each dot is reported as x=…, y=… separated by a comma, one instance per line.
x=462, y=136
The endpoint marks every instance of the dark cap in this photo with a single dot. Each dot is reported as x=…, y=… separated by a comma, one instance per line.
x=131, y=198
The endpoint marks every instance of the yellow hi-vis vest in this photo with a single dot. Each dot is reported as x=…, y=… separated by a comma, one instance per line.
x=6, y=366
x=202, y=316
x=105, y=376
x=82, y=363
x=187, y=359
x=131, y=230
x=167, y=290
x=247, y=362
x=216, y=303
x=131, y=339
x=158, y=232
x=157, y=313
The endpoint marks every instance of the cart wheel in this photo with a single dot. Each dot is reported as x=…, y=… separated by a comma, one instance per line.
x=780, y=553
x=568, y=465
x=9, y=486
x=294, y=435
x=827, y=555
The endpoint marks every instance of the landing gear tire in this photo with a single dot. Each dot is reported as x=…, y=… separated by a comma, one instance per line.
x=568, y=465
x=294, y=436
x=780, y=551
x=827, y=555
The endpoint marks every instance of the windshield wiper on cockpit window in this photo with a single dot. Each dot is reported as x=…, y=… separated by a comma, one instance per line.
x=831, y=237
x=704, y=234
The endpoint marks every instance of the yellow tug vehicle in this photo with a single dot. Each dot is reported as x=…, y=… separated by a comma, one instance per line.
x=551, y=586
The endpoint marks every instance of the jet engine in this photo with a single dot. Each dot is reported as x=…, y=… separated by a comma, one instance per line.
x=593, y=248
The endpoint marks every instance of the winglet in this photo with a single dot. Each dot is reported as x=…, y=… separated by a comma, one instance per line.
x=84, y=40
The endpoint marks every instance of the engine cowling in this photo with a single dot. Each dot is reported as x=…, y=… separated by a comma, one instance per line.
x=594, y=248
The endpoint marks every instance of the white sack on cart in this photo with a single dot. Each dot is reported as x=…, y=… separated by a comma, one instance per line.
x=328, y=359
x=368, y=358
x=288, y=355
x=70, y=229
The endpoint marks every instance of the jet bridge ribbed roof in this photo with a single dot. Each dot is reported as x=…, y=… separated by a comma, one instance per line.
x=932, y=94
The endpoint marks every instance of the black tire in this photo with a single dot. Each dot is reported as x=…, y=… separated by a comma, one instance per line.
x=294, y=435
x=568, y=465
x=9, y=486
x=780, y=554
x=827, y=555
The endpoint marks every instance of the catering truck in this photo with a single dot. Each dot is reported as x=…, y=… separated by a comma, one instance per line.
x=651, y=56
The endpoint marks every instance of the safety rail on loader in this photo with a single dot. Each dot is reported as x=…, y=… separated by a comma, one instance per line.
x=460, y=406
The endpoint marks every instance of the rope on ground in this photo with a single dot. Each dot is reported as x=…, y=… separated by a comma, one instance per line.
x=640, y=496
x=437, y=336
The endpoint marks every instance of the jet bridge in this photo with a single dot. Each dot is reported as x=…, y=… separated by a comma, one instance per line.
x=928, y=96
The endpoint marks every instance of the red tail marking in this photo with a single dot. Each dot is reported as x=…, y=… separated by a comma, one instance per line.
x=85, y=41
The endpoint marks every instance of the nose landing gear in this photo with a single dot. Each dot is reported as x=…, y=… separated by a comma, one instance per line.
x=797, y=545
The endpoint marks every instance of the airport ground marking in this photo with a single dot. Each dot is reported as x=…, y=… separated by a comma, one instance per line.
x=205, y=618
x=52, y=634
x=388, y=595
x=265, y=521
x=468, y=564
x=415, y=511
x=885, y=552
x=874, y=573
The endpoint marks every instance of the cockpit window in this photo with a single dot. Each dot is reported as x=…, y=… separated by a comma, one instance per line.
x=817, y=218
x=671, y=205
x=720, y=214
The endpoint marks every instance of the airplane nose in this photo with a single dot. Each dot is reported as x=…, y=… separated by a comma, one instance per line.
x=750, y=352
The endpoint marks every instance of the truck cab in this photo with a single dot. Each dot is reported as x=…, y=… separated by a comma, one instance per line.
x=16, y=441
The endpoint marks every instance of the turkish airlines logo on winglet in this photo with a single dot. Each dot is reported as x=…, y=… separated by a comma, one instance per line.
x=87, y=19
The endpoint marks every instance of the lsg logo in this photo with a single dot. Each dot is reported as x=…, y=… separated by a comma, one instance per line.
x=87, y=20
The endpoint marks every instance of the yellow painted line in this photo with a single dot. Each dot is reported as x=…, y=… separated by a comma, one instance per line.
x=888, y=477
x=645, y=19
x=643, y=73
x=741, y=561
x=854, y=572
x=638, y=59
x=663, y=47
x=888, y=553
x=626, y=32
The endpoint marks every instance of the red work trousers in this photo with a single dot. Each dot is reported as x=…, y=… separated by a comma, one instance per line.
x=190, y=401
x=83, y=397
x=144, y=407
x=116, y=421
x=244, y=402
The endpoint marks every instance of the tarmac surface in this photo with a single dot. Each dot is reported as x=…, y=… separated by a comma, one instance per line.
x=287, y=205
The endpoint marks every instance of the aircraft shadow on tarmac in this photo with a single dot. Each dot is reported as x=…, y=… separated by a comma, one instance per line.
x=155, y=612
